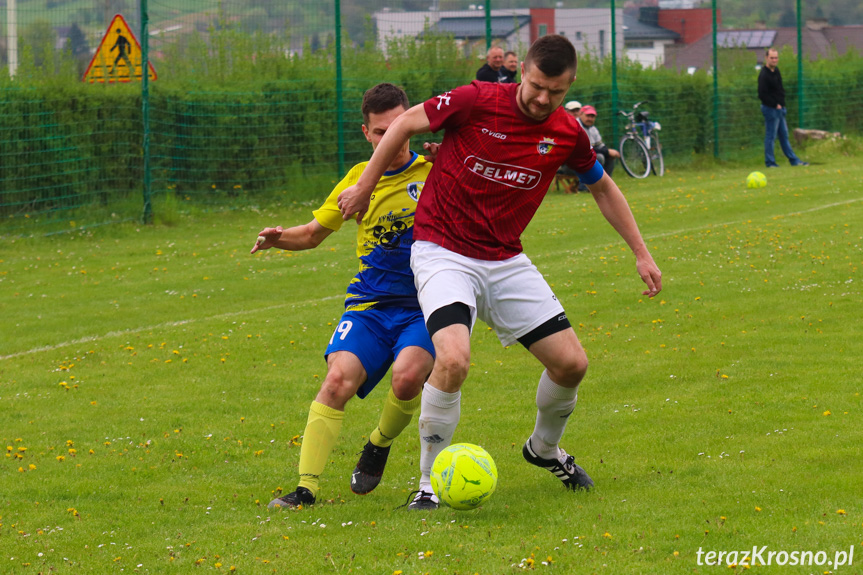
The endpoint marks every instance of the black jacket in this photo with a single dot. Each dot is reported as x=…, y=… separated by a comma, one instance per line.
x=770, y=89
x=486, y=74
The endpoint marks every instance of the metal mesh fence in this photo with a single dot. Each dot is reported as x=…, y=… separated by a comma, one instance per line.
x=263, y=98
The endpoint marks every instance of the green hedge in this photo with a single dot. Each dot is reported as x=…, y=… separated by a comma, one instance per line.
x=235, y=115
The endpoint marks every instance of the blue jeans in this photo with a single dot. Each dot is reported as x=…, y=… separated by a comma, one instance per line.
x=775, y=125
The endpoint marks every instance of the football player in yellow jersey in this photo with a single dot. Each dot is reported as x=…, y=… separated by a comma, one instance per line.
x=382, y=324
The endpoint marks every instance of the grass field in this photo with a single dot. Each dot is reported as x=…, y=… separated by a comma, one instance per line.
x=154, y=383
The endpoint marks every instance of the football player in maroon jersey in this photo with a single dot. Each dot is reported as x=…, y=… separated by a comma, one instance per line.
x=502, y=146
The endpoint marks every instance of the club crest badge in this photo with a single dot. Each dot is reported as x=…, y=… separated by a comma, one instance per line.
x=415, y=189
x=545, y=146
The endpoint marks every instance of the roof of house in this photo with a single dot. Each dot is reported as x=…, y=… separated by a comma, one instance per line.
x=817, y=44
x=472, y=27
x=745, y=38
x=845, y=37
x=635, y=29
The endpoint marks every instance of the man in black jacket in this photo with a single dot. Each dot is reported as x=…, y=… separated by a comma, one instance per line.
x=772, y=96
x=492, y=70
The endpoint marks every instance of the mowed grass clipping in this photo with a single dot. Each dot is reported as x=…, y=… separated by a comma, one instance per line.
x=155, y=383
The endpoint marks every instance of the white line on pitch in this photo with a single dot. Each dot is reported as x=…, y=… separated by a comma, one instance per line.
x=169, y=324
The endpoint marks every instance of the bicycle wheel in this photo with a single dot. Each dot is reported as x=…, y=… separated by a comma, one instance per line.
x=634, y=156
x=657, y=164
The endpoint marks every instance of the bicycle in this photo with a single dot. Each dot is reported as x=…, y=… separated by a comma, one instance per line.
x=640, y=149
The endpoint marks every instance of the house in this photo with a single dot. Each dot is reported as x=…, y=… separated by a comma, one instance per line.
x=509, y=27
x=819, y=42
x=692, y=24
x=644, y=39
x=514, y=29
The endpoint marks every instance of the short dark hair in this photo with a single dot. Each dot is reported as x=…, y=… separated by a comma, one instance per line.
x=383, y=98
x=510, y=53
x=771, y=49
x=553, y=55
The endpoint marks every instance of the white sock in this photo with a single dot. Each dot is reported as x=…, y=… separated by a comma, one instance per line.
x=554, y=406
x=439, y=414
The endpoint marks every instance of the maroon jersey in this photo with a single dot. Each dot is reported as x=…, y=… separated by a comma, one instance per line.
x=493, y=169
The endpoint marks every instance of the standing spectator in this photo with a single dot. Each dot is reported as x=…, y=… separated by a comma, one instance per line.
x=772, y=96
x=510, y=67
x=604, y=154
x=492, y=70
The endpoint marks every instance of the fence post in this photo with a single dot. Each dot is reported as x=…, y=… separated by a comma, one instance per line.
x=614, y=94
x=799, y=66
x=12, y=36
x=147, y=216
x=340, y=102
x=487, y=24
x=715, y=88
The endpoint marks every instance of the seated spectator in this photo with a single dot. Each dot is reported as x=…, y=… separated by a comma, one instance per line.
x=574, y=108
x=492, y=70
x=604, y=154
x=567, y=174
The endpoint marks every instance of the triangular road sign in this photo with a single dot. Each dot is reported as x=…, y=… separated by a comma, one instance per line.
x=118, y=58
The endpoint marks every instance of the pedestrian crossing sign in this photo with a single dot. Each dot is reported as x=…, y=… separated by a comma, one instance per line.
x=118, y=58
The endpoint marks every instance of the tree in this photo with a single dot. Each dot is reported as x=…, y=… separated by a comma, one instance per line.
x=788, y=19
x=39, y=38
x=77, y=45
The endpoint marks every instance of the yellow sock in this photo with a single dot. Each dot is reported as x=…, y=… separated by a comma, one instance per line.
x=322, y=431
x=394, y=418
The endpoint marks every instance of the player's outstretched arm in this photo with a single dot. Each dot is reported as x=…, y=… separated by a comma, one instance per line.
x=295, y=239
x=355, y=199
x=615, y=208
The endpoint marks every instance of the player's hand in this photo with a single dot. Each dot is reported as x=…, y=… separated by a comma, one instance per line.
x=267, y=238
x=650, y=275
x=353, y=201
x=432, y=149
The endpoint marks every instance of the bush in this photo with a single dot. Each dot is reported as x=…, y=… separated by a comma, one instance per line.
x=236, y=113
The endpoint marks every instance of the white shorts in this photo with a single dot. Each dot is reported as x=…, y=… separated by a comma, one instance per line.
x=511, y=296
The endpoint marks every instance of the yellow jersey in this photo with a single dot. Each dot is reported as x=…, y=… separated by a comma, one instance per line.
x=385, y=237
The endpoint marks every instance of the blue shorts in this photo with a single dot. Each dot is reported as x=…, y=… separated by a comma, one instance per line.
x=376, y=337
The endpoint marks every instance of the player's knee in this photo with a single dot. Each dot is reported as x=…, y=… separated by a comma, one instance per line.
x=453, y=364
x=408, y=383
x=338, y=387
x=570, y=370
